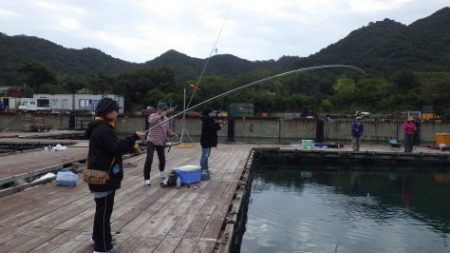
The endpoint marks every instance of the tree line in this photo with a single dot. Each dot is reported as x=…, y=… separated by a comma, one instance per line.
x=322, y=91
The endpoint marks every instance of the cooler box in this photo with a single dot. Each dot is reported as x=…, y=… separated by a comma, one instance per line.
x=189, y=174
x=442, y=138
x=66, y=178
x=307, y=144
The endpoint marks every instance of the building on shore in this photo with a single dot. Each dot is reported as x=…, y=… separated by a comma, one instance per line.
x=66, y=102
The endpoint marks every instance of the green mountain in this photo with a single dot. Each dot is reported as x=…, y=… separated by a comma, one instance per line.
x=388, y=46
x=73, y=62
x=226, y=65
x=382, y=48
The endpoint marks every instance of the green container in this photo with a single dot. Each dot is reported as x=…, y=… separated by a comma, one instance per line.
x=307, y=144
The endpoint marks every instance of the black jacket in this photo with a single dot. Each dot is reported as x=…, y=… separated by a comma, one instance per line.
x=104, y=146
x=208, y=136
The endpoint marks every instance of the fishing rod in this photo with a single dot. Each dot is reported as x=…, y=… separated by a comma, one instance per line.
x=214, y=48
x=254, y=83
x=202, y=73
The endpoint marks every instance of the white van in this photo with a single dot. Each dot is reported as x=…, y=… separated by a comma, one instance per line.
x=33, y=105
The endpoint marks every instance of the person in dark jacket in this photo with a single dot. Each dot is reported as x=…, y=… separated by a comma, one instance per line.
x=208, y=139
x=105, y=153
x=357, y=132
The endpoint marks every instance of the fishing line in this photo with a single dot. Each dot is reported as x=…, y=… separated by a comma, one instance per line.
x=254, y=83
x=214, y=47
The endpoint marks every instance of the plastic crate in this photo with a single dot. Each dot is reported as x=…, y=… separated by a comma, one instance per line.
x=189, y=174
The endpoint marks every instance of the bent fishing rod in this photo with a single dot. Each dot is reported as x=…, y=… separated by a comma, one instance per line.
x=254, y=83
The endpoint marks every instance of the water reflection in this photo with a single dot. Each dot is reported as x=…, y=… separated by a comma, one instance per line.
x=294, y=211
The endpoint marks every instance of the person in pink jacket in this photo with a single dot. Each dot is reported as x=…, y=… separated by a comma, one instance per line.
x=410, y=129
x=156, y=140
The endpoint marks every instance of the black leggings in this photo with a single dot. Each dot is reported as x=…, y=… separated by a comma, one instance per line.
x=102, y=223
x=149, y=160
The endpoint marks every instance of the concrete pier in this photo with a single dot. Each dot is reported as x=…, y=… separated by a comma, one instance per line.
x=270, y=128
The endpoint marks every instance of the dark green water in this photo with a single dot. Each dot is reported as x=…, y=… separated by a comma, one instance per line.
x=293, y=211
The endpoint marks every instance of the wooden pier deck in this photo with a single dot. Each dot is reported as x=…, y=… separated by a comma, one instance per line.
x=57, y=134
x=25, y=141
x=48, y=218
x=22, y=165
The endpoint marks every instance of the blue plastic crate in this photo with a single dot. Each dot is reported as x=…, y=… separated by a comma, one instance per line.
x=189, y=174
x=66, y=178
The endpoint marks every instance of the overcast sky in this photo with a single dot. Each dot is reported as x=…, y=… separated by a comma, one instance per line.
x=140, y=30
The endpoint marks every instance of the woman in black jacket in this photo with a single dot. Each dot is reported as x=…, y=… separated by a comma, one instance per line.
x=105, y=153
x=208, y=139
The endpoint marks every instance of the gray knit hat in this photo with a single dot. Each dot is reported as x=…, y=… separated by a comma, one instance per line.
x=162, y=106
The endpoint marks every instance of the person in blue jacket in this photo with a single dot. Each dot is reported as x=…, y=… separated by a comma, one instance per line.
x=357, y=132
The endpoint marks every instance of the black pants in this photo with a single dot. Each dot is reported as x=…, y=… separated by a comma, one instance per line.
x=102, y=223
x=409, y=143
x=149, y=160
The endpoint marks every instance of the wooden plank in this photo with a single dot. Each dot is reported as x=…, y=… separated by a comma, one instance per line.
x=29, y=240
x=186, y=219
x=78, y=244
x=204, y=246
x=53, y=244
x=135, y=225
x=203, y=216
x=214, y=225
x=166, y=245
x=134, y=211
x=162, y=217
x=139, y=243
x=186, y=245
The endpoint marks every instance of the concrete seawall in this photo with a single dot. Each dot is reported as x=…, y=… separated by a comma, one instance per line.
x=375, y=130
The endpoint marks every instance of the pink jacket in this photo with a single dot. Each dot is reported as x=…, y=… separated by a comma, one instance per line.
x=409, y=128
x=158, y=135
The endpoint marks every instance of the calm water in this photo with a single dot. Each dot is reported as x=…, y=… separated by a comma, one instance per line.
x=293, y=211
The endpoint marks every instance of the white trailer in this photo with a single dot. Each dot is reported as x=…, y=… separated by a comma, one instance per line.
x=66, y=102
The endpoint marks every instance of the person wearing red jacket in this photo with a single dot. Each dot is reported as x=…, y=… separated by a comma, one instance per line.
x=410, y=129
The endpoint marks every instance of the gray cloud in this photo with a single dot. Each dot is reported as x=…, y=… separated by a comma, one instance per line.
x=139, y=30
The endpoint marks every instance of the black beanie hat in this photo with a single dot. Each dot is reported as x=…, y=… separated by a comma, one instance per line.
x=105, y=106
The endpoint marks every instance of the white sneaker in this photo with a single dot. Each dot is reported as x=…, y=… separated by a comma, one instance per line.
x=163, y=174
x=147, y=182
x=114, y=240
x=113, y=250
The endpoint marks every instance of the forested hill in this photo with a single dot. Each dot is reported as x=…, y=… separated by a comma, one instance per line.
x=77, y=63
x=17, y=49
x=388, y=46
x=225, y=65
x=383, y=47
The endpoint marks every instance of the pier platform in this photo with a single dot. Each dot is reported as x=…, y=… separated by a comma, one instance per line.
x=48, y=218
x=52, y=134
x=202, y=218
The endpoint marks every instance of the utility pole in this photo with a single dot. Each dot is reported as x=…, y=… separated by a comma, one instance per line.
x=183, y=129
